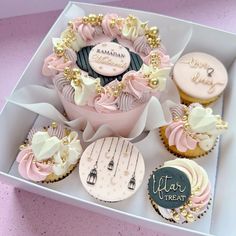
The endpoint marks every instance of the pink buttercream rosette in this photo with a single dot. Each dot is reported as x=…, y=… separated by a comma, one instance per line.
x=119, y=113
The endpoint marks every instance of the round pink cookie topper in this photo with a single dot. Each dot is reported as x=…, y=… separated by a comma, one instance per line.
x=200, y=75
x=111, y=169
x=109, y=59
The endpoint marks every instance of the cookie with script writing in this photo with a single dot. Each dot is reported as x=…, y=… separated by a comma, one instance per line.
x=200, y=78
x=179, y=191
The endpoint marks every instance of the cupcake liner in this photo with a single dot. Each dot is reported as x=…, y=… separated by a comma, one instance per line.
x=154, y=205
x=61, y=177
x=178, y=153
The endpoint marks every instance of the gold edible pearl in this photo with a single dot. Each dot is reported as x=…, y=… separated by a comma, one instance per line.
x=189, y=203
x=116, y=93
x=85, y=19
x=54, y=125
x=190, y=217
x=183, y=212
x=22, y=147
x=99, y=89
x=176, y=216
x=65, y=141
x=76, y=72
x=77, y=82
x=70, y=24
x=59, y=50
x=153, y=83
x=153, y=31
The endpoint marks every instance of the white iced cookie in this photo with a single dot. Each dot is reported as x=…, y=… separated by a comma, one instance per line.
x=111, y=169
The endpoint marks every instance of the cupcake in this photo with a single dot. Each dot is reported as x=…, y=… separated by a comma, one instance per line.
x=106, y=68
x=49, y=154
x=180, y=191
x=193, y=131
x=111, y=169
x=200, y=78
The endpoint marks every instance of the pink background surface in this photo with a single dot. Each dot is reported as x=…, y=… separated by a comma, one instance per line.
x=23, y=213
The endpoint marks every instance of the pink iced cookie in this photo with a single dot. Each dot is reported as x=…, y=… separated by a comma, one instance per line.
x=109, y=59
x=111, y=169
x=200, y=77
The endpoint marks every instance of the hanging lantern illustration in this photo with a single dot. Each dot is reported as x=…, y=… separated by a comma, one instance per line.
x=132, y=183
x=92, y=177
x=110, y=165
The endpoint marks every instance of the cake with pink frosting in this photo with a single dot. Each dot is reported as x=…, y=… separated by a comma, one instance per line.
x=180, y=191
x=105, y=69
x=49, y=154
x=193, y=131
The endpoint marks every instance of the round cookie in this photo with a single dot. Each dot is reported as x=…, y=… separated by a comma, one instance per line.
x=180, y=191
x=111, y=169
x=200, y=78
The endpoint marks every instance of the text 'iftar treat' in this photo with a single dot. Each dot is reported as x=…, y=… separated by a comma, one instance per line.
x=106, y=68
x=200, y=78
x=193, y=131
x=180, y=191
x=49, y=154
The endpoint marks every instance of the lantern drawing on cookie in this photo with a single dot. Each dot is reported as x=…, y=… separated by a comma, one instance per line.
x=193, y=131
x=111, y=182
x=106, y=68
x=49, y=154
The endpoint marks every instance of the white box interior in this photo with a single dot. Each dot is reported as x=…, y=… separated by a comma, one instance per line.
x=15, y=123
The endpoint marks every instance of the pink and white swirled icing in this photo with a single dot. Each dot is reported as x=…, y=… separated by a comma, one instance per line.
x=86, y=31
x=54, y=64
x=29, y=168
x=200, y=189
x=192, y=126
x=45, y=153
x=108, y=29
x=178, y=137
x=104, y=103
x=136, y=84
x=141, y=45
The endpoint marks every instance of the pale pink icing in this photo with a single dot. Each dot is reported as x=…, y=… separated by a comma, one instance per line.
x=98, y=31
x=201, y=200
x=31, y=170
x=178, y=137
x=69, y=93
x=135, y=84
x=86, y=31
x=107, y=29
x=54, y=65
x=96, y=119
x=126, y=101
x=60, y=81
x=104, y=103
x=164, y=58
x=58, y=131
x=177, y=111
x=141, y=45
x=71, y=55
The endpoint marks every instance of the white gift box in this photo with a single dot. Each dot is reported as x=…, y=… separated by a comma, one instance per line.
x=16, y=121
